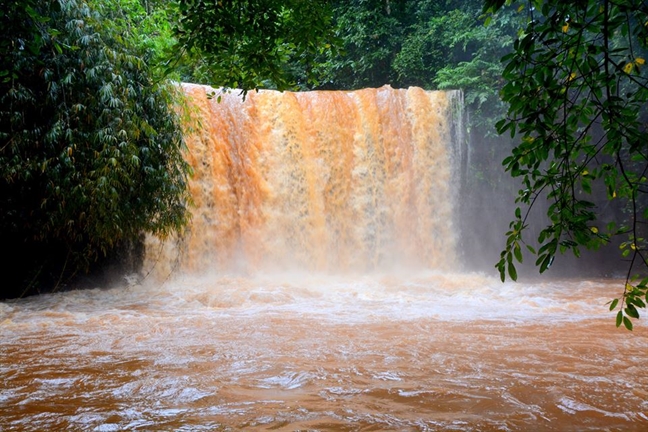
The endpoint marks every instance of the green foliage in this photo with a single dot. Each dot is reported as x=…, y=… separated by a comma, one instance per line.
x=149, y=27
x=577, y=89
x=475, y=65
x=90, y=145
x=370, y=34
x=250, y=44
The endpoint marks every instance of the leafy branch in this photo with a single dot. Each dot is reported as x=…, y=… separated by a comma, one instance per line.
x=577, y=92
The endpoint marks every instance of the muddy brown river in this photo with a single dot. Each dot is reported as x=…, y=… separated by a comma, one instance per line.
x=417, y=353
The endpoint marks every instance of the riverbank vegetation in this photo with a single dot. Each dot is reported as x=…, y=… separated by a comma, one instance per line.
x=90, y=145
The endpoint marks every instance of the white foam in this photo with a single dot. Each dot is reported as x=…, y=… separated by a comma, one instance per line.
x=445, y=296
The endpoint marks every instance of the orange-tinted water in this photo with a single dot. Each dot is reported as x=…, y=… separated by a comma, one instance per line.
x=432, y=352
x=319, y=181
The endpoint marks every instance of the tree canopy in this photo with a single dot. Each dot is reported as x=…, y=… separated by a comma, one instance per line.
x=577, y=88
x=249, y=44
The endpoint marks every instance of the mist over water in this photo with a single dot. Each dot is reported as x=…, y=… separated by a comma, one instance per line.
x=320, y=288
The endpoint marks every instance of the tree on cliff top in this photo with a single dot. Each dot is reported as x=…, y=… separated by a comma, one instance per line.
x=577, y=87
x=90, y=145
x=250, y=44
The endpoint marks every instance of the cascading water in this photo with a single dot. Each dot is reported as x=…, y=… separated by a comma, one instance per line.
x=321, y=181
x=318, y=288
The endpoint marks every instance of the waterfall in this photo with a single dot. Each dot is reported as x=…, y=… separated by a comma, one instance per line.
x=324, y=181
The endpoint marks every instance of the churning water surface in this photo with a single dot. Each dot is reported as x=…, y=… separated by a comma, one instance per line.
x=428, y=352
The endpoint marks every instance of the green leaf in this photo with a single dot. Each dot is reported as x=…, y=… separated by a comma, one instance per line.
x=546, y=263
x=512, y=271
x=614, y=304
x=517, y=251
x=627, y=323
x=631, y=311
x=502, y=275
x=619, y=318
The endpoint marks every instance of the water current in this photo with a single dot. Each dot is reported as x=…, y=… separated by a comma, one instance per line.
x=319, y=288
x=418, y=353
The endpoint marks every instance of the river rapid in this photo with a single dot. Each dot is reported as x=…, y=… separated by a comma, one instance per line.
x=434, y=351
